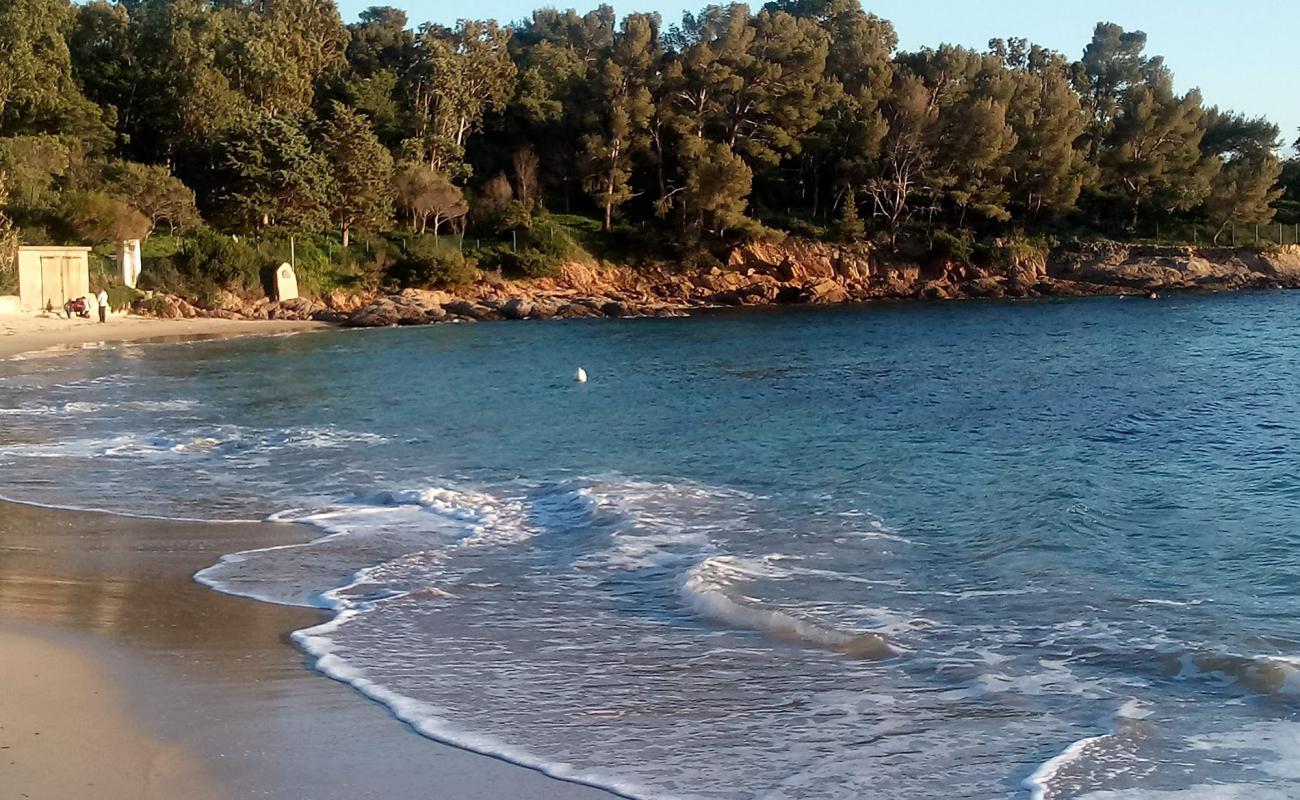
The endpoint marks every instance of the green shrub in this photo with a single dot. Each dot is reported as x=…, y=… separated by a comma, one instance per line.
x=211, y=261
x=957, y=247
x=537, y=252
x=531, y=262
x=1013, y=251
x=430, y=262
x=121, y=296
x=161, y=275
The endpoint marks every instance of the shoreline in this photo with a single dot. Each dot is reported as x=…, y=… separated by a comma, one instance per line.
x=209, y=690
x=22, y=334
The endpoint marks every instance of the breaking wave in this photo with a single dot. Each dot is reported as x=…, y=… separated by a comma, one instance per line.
x=712, y=589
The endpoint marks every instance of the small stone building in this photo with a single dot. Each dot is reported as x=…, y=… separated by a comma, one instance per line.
x=49, y=276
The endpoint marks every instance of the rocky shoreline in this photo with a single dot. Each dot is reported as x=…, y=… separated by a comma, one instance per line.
x=792, y=272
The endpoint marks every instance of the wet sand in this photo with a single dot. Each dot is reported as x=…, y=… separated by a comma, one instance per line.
x=161, y=680
x=20, y=333
x=64, y=732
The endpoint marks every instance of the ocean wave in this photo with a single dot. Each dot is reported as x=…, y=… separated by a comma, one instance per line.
x=222, y=440
x=712, y=589
x=1109, y=754
x=1274, y=675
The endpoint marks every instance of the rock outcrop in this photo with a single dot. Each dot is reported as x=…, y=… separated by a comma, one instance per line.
x=766, y=273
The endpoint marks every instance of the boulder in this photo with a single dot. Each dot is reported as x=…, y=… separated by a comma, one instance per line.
x=617, y=308
x=426, y=298
x=517, y=308
x=826, y=291
x=983, y=287
x=329, y=315
x=577, y=311
x=224, y=300
x=934, y=290
x=474, y=311
x=380, y=313
x=345, y=302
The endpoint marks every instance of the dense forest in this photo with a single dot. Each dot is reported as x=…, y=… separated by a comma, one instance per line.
x=411, y=154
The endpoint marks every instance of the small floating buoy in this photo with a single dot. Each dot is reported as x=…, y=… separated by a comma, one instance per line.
x=581, y=377
x=1154, y=296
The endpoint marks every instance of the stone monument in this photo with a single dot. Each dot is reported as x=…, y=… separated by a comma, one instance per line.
x=286, y=283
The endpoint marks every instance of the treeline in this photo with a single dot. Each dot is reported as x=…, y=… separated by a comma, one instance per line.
x=802, y=116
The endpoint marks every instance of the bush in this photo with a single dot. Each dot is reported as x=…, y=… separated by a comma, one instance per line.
x=432, y=263
x=121, y=296
x=957, y=247
x=531, y=262
x=1013, y=251
x=537, y=252
x=211, y=262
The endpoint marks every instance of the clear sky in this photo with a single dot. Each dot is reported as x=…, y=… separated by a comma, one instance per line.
x=1247, y=58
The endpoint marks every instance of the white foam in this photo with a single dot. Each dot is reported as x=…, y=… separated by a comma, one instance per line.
x=126, y=514
x=220, y=439
x=489, y=522
x=430, y=721
x=1040, y=783
x=711, y=588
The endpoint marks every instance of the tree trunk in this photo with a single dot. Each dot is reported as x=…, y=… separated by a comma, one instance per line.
x=346, y=231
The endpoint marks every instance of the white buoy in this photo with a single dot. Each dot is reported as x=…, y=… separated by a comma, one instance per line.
x=581, y=377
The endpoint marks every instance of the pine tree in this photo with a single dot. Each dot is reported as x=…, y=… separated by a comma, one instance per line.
x=1047, y=169
x=1153, y=156
x=623, y=118
x=849, y=227
x=361, y=171
x=274, y=177
x=1244, y=192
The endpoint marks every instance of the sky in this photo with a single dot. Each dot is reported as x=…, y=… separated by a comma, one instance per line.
x=1245, y=59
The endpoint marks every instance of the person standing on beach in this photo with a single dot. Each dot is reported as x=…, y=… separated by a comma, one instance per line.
x=102, y=299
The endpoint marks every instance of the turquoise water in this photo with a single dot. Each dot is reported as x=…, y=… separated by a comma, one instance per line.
x=918, y=551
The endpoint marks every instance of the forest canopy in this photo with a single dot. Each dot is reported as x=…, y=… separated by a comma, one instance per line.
x=798, y=117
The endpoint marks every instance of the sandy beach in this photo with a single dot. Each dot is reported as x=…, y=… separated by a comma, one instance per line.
x=126, y=680
x=21, y=333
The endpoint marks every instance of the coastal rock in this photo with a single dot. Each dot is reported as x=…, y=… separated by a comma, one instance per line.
x=329, y=315
x=379, y=314
x=224, y=300
x=983, y=288
x=517, y=308
x=826, y=291
x=1154, y=268
x=424, y=298
x=298, y=308
x=935, y=290
x=616, y=308
x=345, y=302
x=802, y=261
x=577, y=311
x=474, y=311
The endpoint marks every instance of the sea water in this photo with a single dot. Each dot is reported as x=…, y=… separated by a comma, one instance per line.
x=981, y=550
